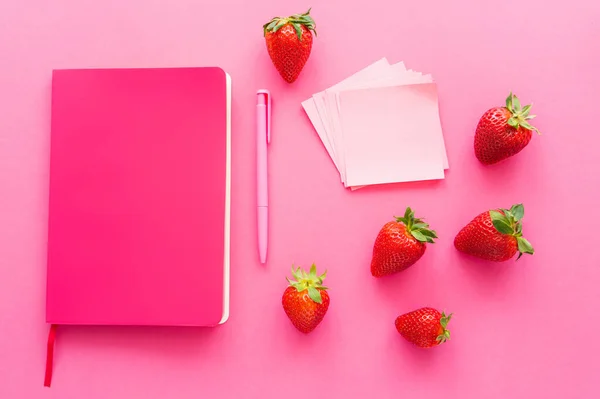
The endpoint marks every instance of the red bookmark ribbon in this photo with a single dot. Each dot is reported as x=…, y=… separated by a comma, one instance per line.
x=50, y=355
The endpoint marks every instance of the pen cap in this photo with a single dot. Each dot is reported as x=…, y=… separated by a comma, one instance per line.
x=264, y=98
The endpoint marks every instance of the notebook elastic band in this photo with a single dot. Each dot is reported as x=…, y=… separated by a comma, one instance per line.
x=50, y=355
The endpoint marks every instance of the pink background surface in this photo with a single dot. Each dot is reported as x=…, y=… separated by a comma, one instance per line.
x=520, y=330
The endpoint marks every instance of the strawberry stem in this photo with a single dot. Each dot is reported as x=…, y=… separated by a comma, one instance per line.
x=296, y=20
x=416, y=227
x=445, y=335
x=520, y=115
x=508, y=221
x=308, y=281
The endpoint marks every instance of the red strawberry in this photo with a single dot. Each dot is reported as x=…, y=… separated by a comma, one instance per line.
x=289, y=41
x=503, y=131
x=495, y=235
x=400, y=244
x=305, y=301
x=425, y=327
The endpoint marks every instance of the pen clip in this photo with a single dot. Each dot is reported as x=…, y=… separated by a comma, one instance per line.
x=268, y=103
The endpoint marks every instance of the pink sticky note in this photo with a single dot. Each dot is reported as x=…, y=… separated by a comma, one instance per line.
x=371, y=72
x=407, y=77
x=395, y=76
x=329, y=102
x=313, y=114
x=316, y=109
x=396, y=140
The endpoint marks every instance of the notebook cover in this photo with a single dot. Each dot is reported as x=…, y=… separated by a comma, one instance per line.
x=138, y=206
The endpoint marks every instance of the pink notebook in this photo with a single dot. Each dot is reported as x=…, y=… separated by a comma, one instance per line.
x=139, y=197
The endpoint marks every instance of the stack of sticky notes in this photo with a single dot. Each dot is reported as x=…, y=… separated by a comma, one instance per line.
x=381, y=125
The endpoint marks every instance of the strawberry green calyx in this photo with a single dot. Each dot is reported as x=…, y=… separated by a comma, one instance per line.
x=508, y=221
x=416, y=227
x=520, y=116
x=445, y=335
x=308, y=281
x=297, y=21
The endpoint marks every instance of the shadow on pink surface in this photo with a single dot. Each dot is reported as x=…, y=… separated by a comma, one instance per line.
x=171, y=342
x=491, y=278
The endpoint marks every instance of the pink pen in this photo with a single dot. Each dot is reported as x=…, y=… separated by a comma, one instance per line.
x=263, y=137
